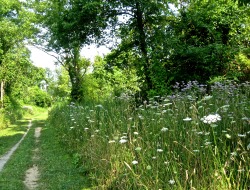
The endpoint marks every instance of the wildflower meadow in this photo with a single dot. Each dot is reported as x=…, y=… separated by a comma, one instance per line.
x=198, y=137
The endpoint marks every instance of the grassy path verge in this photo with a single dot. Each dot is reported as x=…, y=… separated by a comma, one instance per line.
x=11, y=135
x=13, y=173
x=56, y=167
x=56, y=170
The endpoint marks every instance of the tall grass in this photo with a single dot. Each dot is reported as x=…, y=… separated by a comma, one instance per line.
x=187, y=140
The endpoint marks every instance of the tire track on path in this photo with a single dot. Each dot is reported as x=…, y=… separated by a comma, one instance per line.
x=5, y=158
x=32, y=174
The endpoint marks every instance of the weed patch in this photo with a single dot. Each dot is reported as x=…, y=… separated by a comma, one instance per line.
x=187, y=140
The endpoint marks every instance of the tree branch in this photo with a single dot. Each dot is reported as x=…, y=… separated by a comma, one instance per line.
x=50, y=54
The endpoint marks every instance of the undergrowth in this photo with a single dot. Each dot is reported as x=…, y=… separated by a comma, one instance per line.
x=187, y=140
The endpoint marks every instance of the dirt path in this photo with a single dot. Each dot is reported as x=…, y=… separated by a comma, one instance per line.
x=32, y=174
x=4, y=159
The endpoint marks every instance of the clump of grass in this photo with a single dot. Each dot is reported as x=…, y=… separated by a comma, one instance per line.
x=187, y=140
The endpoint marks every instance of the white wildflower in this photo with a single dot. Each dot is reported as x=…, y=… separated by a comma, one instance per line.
x=122, y=141
x=134, y=162
x=159, y=150
x=228, y=136
x=171, y=181
x=245, y=118
x=200, y=133
x=164, y=111
x=233, y=153
x=140, y=116
x=164, y=129
x=166, y=162
x=242, y=135
x=136, y=133
x=211, y=118
x=168, y=104
x=207, y=97
x=187, y=119
x=111, y=141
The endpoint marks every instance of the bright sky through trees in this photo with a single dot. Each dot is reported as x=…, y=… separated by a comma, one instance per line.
x=42, y=59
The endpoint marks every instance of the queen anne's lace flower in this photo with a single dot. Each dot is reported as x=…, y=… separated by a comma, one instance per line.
x=211, y=118
x=134, y=162
x=164, y=129
x=122, y=141
x=171, y=181
x=187, y=119
x=159, y=150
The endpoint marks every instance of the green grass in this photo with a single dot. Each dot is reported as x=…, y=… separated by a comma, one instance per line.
x=11, y=135
x=166, y=145
x=56, y=166
x=13, y=174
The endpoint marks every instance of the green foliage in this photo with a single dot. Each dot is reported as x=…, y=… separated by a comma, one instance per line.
x=241, y=68
x=71, y=25
x=3, y=121
x=38, y=97
x=11, y=112
x=142, y=33
x=199, y=41
x=166, y=143
x=114, y=80
x=59, y=88
x=13, y=174
x=207, y=37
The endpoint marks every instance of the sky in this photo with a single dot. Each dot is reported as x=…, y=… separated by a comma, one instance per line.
x=42, y=59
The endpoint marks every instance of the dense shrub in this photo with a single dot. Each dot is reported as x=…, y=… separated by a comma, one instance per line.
x=38, y=97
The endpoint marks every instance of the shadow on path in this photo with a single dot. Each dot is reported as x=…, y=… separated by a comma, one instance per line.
x=4, y=159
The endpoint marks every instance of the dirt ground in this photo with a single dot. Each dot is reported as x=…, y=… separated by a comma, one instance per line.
x=32, y=174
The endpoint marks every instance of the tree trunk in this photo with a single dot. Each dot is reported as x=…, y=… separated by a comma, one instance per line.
x=75, y=77
x=76, y=82
x=143, y=47
x=2, y=93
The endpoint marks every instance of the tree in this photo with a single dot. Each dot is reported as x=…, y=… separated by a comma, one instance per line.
x=206, y=37
x=71, y=25
x=60, y=88
x=114, y=81
x=141, y=30
x=16, y=27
